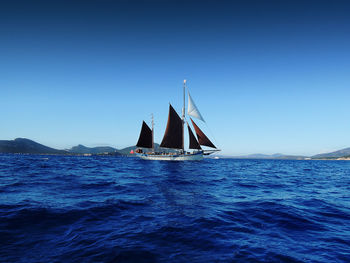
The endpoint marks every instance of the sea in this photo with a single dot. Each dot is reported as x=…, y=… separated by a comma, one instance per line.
x=123, y=209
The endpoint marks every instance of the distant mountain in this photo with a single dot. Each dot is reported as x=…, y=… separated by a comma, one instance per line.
x=262, y=156
x=81, y=149
x=21, y=145
x=292, y=157
x=270, y=156
x=336, y=154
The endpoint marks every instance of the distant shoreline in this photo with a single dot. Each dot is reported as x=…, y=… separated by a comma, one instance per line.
x=132, y=156
x=26, y=146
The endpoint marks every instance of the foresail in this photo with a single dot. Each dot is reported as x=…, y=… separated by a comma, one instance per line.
x=173, y=136
x=192, y=109
x=192, y=140
x=202, y=138
x=145, y=139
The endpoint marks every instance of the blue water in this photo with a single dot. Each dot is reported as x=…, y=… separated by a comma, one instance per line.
x=119, y=209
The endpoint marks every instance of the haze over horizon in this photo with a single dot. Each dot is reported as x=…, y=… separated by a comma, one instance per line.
x=268, y=76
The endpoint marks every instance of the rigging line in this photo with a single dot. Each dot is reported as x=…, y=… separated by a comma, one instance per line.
x=212, y=136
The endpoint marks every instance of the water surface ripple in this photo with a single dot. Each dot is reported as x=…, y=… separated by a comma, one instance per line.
x=118, y=209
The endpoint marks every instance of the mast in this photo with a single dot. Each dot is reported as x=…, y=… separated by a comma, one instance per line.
x=183, y=117
x=152, y=133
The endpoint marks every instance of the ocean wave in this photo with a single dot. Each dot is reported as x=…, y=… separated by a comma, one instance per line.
x=71, y=209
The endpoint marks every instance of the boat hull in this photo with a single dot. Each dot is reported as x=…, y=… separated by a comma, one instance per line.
x=177, y=157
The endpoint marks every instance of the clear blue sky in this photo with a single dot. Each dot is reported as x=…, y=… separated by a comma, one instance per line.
x=268, y=76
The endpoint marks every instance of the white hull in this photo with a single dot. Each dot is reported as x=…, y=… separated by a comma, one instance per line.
x=177, y=157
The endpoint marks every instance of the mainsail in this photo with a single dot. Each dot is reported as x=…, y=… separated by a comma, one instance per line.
x=145, y=139
x=193, y=141
x=193, y=110
x=202, y=138
x=173, y=136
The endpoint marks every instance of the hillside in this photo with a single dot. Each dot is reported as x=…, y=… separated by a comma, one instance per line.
x=336, y=154
x=270, y=156
x=81, y=149
x=21, y=145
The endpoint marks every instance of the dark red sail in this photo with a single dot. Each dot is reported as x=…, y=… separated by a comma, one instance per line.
x=173, y=136
x=202, y=138
x=145, y=139
x=193, y=141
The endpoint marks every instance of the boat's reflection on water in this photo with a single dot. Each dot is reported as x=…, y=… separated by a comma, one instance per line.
x=182, y=189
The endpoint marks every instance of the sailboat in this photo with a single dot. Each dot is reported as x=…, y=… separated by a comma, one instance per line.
x=174, y=137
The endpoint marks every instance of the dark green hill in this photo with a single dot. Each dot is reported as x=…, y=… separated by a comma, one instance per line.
x=21, y=145
x=268, y=156
x=81, y=149
x=336, y=154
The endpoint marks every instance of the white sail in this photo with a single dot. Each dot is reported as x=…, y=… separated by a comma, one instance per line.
x=192, y=109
